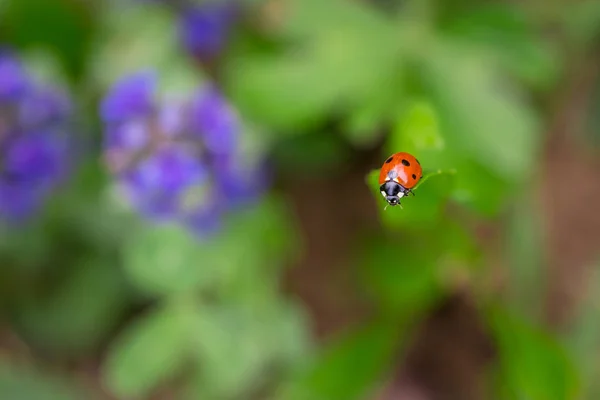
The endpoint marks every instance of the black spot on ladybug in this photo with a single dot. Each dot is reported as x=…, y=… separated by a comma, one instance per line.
x=417, y=161
x=421, y=177
x=405, y=163
x=389, y=160
x=414, y=176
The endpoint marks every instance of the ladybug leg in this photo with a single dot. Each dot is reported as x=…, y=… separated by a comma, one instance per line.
x=411, y=192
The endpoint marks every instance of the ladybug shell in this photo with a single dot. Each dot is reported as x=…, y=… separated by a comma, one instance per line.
x=402, y=168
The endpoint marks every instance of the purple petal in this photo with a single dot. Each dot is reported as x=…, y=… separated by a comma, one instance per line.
x=18, y=201
x=131, y=97
x=44, y=106
x=32, y=165
x=35, y=158
x=131, y=135
x=171, y=119
x=156, y=185
x=13, y=78
x=215, y=120
x=205, y=29
x=240, y=183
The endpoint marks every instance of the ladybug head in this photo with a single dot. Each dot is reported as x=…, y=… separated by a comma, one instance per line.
x=392, y=192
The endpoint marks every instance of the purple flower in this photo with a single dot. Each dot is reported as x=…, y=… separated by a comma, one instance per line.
x=205, y=29
x=214, y=119
x=34, y=153
x=129, y=98
x=178, y=160
x=34, y=158
x=43, y=106
x=240, y=182
x=13, y=78
x=157, y=185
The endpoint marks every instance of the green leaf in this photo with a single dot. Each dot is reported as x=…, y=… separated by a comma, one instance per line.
x=257, y=338
x=135, y=38
x=299, y=88
x=366, y=123
x=479, y=187
x=503, y=32
x=532, y=364
x=417, y=129
x=250, y=251
x=426, y=207
x=581, y=21
x=150, y=351
x=28, y=383
x=60, y=26
x=583, y=336
x=350, y=368
x=312, y=154
x=83, y=310
x=167, y=258
x=408, y=286
x=525, y=248
x=480, y=115
x=223, y=335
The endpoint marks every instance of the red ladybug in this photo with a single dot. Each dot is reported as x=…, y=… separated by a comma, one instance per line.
x=399, y=174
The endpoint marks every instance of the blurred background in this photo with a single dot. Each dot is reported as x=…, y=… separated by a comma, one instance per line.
x=189, y=205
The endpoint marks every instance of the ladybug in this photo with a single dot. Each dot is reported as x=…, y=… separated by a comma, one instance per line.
x=399, y=174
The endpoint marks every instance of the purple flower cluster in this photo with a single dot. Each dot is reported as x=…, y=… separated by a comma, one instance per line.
x=205, y=29
x=178, y=159
x=34, y=154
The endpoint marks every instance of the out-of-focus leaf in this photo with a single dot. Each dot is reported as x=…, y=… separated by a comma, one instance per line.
x=149, y=351
x=45, y=66
x=135, y=38
x=532, y=364
x=312, y=154
x=401, y=284
x=249, y=253
x=425, y=207
x=366, y=124
x=478, y=113
x=525, y=249
x=417, y=129
x=583, y=337
x=61, y=26
x=167, y=258
x=502, y=31
x=223, y=336
x=313, y=18
x=30, y=384
x=301, y=87
x=85, y=308
x=582, y=22
x=255, y=338
x=350, y=368
x=478, y=187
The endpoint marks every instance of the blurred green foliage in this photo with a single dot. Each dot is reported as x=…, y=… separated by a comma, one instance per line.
x=451, y=82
